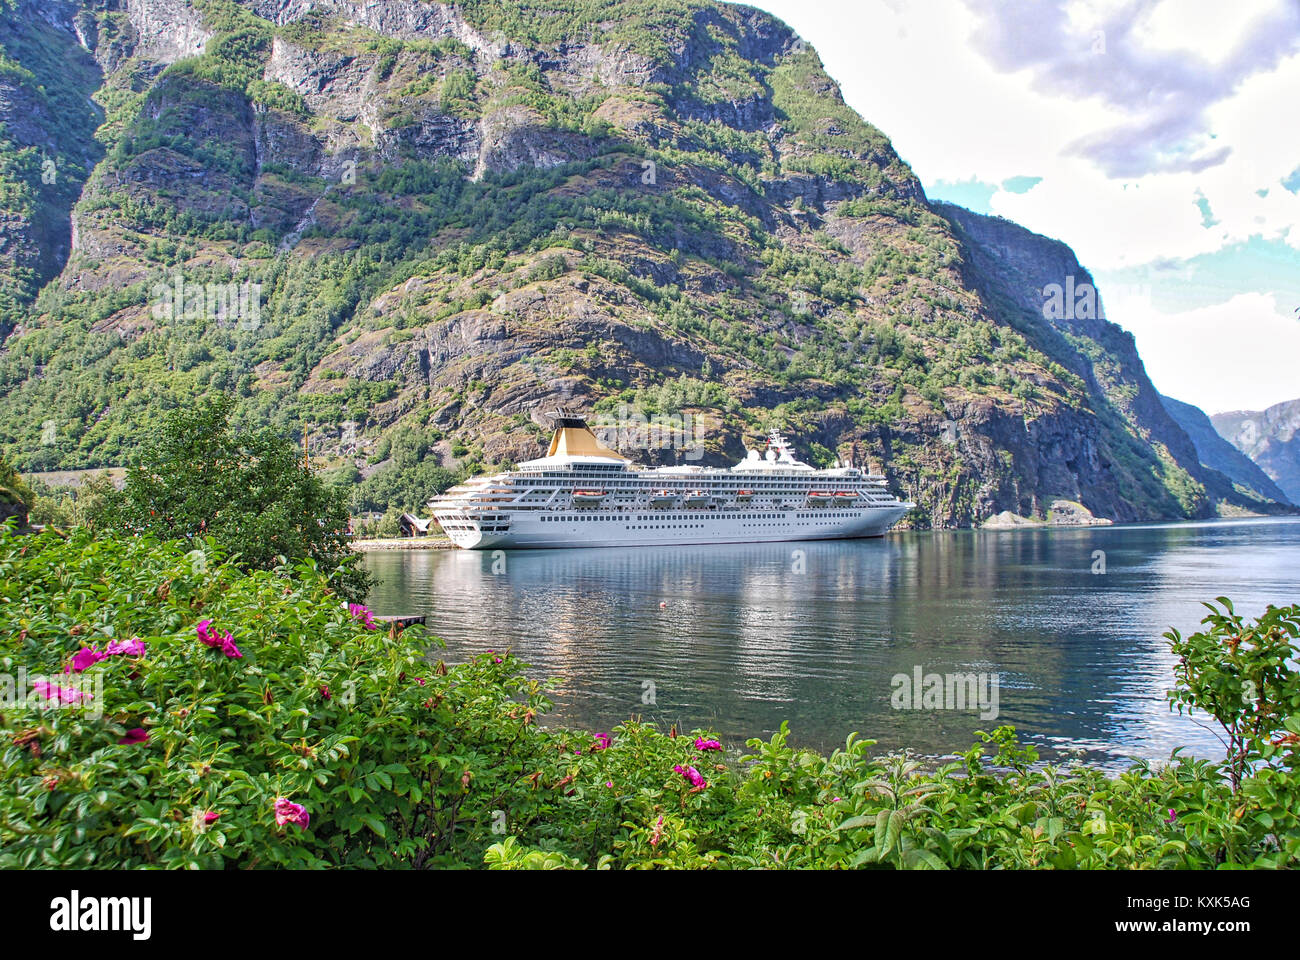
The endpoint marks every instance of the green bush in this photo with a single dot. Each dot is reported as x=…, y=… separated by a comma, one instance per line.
x=395, y=761
x=250, y=490
x=189, y=748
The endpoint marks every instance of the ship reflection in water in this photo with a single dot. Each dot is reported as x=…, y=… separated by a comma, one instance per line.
x=740, y=637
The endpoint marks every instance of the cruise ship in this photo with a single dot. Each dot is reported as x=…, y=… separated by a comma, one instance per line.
x=582, y=494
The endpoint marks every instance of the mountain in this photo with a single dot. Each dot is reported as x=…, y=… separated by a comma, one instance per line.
x=1271, y=438
x=407, y=229
x=1218, y=454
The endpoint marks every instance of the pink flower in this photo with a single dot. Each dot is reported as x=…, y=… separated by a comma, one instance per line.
x=87, y=657
x=206, y=636
x=603, y=740
x=609, y=783
x=288, y=812
x=702, y=744
x=125, y=648
x=359, y=612
x=222, y=641
x=693, y=775
x=211, y=817
x=84, y=659
x=138, y=735
x=64, y=695
x=1172, y=816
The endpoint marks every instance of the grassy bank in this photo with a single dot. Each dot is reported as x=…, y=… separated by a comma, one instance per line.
x=255, y=720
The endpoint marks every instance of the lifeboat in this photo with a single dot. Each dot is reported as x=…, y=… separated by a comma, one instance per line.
x=821, y=498
x=588, y=498
x=696, y=498
x=845, y=498
x=744, y=496
x=662, y=500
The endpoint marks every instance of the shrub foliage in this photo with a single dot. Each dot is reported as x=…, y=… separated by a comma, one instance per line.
x=266, y=723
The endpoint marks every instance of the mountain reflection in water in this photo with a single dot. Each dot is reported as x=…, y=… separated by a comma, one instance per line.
x=738, y=638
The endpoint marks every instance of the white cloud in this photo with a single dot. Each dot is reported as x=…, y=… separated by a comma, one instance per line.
x=1210, y=29
x=1238, y=355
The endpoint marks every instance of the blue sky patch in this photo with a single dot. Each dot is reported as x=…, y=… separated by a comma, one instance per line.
x=1207, y=218
x=1292, y=180
x=1021, y=184
x=972, y=194
x=1259, y=265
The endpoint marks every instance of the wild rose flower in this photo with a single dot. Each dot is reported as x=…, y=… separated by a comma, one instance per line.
x=64, y=695
x=211, y=817
x=87, y=657
x=84, y=659
x=702, y=744
x=325, y=692
x=359, y=612
x=219, y=640
x=207, y=637
x=288, y=812
x=693, y=775
x=125, y=648
x=228, y=647
x=137, y=735
x=603, y=740
x=1173, y=815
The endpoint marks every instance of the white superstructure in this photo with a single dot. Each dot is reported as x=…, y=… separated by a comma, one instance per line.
x=582, y=494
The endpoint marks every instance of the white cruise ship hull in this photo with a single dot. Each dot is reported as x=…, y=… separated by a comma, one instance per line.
x=582, y=494
x=602, y=528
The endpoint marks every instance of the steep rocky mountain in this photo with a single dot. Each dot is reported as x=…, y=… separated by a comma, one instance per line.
x=407, y=229
x=1218, y=454
x=1271, y=438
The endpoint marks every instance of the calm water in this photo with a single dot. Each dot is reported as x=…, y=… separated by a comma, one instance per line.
x=739, y=638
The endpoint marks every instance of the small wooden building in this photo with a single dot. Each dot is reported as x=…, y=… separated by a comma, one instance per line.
x=412, y=526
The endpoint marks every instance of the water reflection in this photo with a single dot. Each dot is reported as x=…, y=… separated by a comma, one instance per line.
x=740, y=637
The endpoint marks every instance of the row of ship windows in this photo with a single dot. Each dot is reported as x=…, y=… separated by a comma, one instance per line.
x=819, y=515
x=732, y=486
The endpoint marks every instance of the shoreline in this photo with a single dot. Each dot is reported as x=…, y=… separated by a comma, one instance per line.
x=402, y=543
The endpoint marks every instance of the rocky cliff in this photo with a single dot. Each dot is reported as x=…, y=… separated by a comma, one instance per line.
x=436, y=221
x=1270, y=438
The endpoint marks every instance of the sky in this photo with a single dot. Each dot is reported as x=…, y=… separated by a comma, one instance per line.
x=1160, y=139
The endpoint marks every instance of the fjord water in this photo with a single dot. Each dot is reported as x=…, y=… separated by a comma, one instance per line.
x=738, y=638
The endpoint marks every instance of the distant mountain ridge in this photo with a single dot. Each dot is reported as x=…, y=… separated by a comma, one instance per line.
x=457, y=216
x=1270, y=438
x=1219, y=454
